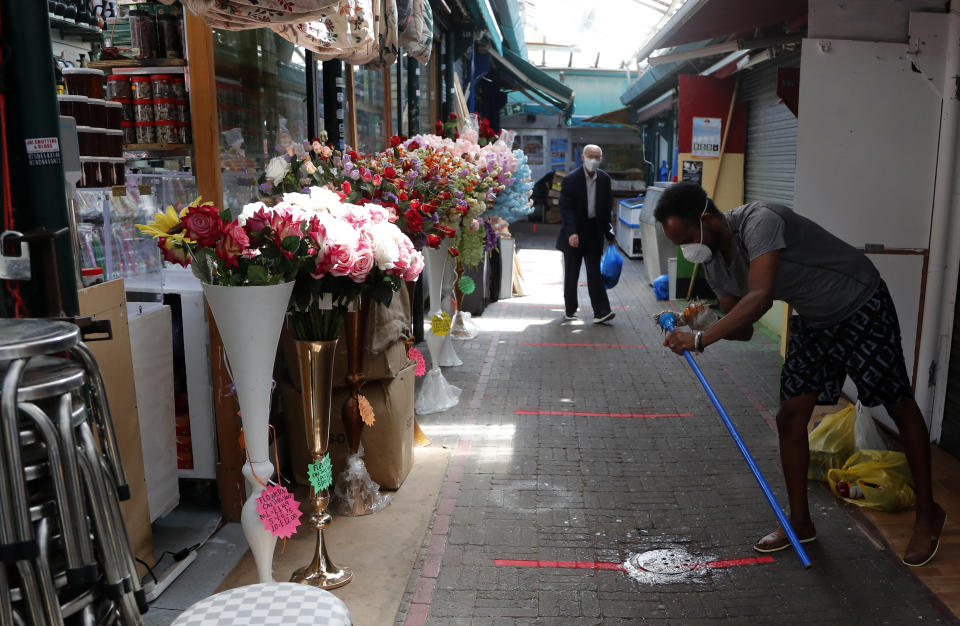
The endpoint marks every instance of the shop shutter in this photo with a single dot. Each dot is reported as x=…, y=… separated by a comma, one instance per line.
x=771, y=158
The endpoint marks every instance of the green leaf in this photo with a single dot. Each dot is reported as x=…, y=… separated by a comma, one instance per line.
x=257, y=275
x=291, y=243
x=225, y=216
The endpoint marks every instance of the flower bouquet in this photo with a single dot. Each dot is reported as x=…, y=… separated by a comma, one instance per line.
x=247, y=271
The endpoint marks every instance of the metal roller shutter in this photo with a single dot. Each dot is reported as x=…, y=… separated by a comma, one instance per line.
x=771, y=157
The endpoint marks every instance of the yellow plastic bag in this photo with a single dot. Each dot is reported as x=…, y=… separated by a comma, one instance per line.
x=883, y=477
x=831, y=443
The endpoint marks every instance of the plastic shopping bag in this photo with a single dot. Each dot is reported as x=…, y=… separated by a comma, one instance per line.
x=831, y=443
x=875, y=479
x=610, y=265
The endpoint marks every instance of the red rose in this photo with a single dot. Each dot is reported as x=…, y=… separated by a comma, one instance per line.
x=433, y=240
x=456, y=135
x=438, y=128
x=444, y=195
x=454, y=252
x=402, y=196
x=395, y=141
x=345, y=187
x=258, y=222
x=453, y=116
x=414, y=221
x=389, y=172
x=203, y=225
x=415, y=205
x=463, y=209
x=353, y=155
x=413, y=145
x=233, y=243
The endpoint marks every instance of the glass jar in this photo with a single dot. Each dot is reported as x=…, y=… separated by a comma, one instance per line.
x=119, y=171
x=143, y=111
x=83, y=81
x=118, y=87
x=114, y=143
x=129, y=132
x=186, y=133
x=167, y=132
x=183, y=110
x=126, y=111
x=100, y=147
x=141, y=88
x=165, y=109
x=98, y=113
x=161, y=85
x=145, y=132
x=77, y=107
x=87, y=140
x=178, y=87
x=114, y=115
x=90, y=172
x=143, y=34
x=169, y=31
x=106, y=172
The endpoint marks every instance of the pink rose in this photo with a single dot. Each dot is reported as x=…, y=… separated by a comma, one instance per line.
x=203, y=225
x=341, y=259
x=232, y=243
x=363, y=262
x=415, y=267
x=258, y=222
x=288, y=228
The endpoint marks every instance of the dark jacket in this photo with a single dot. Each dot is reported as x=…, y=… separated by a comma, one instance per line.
x=573, y=208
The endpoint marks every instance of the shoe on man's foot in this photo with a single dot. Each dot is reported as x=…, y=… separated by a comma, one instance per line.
x=603, y=319
x=569, y=317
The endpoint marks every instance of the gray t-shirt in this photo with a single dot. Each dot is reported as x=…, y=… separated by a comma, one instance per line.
x=824, y=278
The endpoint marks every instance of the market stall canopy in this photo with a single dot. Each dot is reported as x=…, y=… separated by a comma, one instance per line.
x=508, y=14
x=482, y=14
x=619, y=117
x=699, y=20
x=518, y=74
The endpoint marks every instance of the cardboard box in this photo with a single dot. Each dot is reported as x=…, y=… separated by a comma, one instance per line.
x=387, y=445
x=386, y=364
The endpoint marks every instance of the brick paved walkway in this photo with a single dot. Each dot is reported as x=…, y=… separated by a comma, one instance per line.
x=532, y=482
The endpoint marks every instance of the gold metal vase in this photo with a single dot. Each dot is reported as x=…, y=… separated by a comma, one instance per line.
x=316, y=383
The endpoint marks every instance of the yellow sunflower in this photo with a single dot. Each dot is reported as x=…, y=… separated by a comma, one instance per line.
x=165, y=224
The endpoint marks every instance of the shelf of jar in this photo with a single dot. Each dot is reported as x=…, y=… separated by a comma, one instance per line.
x=158, y=147
x=173, y=65
x=72, y=28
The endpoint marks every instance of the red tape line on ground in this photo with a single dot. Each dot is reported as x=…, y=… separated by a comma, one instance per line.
x=597, y=565
x=587, y=345
x=589, y=414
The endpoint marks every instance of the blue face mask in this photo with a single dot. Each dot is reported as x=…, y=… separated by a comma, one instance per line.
x=698, y=252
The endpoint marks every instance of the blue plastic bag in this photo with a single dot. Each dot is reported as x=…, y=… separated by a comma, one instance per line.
x=661, y=287
x=610, y=265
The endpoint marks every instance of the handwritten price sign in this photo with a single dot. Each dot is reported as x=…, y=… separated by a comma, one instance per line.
x=278, y=511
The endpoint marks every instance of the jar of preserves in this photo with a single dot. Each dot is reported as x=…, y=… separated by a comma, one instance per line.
x=183, y=110
x=141, y=88
x=98, y=113
x=186, y=133
x=145, y=132
x=90, y=172
x=126, y=111
x=84, y=81
x=129, y=132
x=118, y=87
x=178, y=86
x=114, y=115
x=114, y=143
x=169, y=30
x=87, y=140
x=165, y=109
x=167, y=132
x=161, y=85
x=77, y=107
x=143, y=111
x=119, y=171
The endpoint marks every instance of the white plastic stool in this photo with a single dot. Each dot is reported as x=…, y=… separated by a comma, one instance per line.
x=268, y=604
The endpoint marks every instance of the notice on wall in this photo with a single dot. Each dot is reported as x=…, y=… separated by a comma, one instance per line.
x=43, y=151
x=558, y=153
x=706, y=137
x=692, y=172
x=533, y=147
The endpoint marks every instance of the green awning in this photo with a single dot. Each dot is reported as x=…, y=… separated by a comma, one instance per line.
x=518, y=74
x=482, y=14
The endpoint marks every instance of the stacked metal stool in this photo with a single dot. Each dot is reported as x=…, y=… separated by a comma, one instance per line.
x=65, y=556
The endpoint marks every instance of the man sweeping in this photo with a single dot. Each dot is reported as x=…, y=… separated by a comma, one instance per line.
x=846, y=325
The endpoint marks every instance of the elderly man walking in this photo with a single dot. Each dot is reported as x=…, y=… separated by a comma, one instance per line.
x=585, y=203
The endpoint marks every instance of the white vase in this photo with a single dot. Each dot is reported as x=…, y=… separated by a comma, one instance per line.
x=249, y=320
x=436, y=394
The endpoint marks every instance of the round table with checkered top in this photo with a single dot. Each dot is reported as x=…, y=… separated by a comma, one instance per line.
x=268, y=604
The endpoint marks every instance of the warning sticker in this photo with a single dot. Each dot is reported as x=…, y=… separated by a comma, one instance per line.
x=43, y=151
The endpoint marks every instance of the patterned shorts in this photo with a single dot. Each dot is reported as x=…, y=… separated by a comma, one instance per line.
x=866, y=346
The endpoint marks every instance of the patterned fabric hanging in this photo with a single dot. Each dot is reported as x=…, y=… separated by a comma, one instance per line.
x=342, y=28
x=363, y=54
x=388, y=38
x=247, y=14
x=417, y=37
x=404, y=9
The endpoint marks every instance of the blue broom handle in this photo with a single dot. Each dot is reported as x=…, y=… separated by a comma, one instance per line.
x=667, y=322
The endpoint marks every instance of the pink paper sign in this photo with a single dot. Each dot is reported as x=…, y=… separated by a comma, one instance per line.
x=421, y=367
x=278, y=511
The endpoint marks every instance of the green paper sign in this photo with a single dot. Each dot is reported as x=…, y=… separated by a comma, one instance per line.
x=466, y=284
x=320, y=473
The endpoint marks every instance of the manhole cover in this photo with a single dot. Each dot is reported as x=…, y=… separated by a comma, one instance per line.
x=664, y=566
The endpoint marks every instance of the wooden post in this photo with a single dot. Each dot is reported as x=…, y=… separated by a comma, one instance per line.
x=351, y=106
x=387, y=107
x=206, y=164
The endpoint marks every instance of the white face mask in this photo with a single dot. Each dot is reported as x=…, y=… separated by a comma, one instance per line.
x=591, y=165
x=698, y=252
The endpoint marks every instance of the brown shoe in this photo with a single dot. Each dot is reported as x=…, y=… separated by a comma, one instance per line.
x=920, y=555
x=778, y=540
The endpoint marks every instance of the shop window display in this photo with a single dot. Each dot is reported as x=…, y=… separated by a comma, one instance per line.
x=261, y=92
x=368, y=85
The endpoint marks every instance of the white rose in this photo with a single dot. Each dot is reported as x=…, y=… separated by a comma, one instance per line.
x=277, y=169
x=386, y=250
